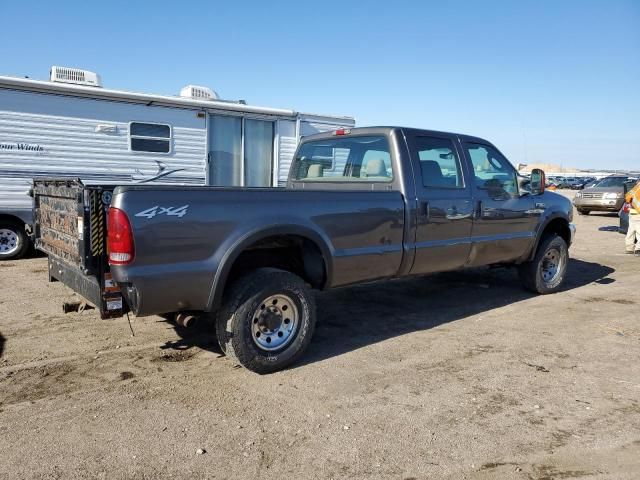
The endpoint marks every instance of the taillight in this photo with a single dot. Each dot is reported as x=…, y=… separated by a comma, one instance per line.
x=119, y=238
x=626, y=208
x=342, y=131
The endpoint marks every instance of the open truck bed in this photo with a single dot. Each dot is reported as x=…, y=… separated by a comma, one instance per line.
x=70, y=227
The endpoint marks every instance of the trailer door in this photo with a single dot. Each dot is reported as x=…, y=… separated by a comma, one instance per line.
x=240, y=151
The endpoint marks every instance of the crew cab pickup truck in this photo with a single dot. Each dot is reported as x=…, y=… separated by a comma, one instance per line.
x=360, y=205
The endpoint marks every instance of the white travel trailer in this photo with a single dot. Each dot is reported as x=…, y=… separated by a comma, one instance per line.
x=71, y=126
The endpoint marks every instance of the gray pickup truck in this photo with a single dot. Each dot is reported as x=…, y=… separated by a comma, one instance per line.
x=360, y=205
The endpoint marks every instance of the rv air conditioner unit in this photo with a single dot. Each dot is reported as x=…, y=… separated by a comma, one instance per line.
x=198, y=93
x=75, y=76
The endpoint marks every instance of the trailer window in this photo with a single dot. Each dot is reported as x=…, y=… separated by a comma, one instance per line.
x=345, y=159
x=149, y=137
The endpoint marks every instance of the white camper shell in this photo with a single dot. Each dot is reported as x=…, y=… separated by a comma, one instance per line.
x=70, y=126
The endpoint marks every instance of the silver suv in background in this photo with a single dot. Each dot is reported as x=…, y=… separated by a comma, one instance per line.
x=606, y=196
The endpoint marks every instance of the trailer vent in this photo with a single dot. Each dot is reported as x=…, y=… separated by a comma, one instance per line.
x=75, y=76
x=198, y=93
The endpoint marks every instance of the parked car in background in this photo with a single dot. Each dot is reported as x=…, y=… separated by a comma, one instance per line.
x=553, y=182
x=583, y=182
x=606, y=196
x=569, y=182
x=573, y=183
x=578, y=184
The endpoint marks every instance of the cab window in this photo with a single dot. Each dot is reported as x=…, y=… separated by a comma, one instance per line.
x=439, y=163
x=492, y=171
x=344, y=159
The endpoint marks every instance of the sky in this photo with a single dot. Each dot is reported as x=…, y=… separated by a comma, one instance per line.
x=546, y=81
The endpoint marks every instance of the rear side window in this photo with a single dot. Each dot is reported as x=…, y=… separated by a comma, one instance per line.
x=439, y=163
x=149, y=137
x=344, y=159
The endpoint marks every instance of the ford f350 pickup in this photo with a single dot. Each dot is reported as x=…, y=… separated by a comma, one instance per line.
x=360, y=204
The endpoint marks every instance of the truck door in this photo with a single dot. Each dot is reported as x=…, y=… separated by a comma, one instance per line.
x=504, y=220
x=444, y=214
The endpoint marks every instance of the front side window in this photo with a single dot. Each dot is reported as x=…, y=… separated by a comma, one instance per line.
x=344, y=159
x=150, y=137
x=492, y=171
x=439, y=163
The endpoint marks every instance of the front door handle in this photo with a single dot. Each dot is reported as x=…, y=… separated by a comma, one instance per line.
x=492, y=213
x=424, y=209
x=479, y=210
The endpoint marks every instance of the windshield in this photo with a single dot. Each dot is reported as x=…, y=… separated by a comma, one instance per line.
x=344, y=159
x=612, y=182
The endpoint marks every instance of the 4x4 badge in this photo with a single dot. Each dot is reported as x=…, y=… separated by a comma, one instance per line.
x=158, y=210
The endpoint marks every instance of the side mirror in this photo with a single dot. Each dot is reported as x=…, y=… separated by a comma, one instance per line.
x=538, y=181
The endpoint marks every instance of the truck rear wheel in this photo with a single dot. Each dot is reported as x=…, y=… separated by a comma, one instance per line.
x=546, y=272
x=267, y=320
x=14, y=241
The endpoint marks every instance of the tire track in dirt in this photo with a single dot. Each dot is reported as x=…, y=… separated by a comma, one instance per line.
x=54, y=377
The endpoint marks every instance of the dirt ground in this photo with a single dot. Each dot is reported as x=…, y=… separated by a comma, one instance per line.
x=460, y=375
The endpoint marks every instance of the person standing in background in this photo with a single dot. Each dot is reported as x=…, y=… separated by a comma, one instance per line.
x=632, y=241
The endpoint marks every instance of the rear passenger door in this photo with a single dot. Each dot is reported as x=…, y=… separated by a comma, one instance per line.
x=444, y=214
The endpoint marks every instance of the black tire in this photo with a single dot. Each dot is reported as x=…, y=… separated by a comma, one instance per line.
x=235, y=319
x=14, y=241
x=583, y=212
x=531, y=273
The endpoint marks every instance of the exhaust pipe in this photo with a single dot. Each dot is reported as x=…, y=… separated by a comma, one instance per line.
x=185, y=319
x=75, y=306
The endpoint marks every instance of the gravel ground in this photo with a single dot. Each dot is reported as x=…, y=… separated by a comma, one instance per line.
x=460, y=375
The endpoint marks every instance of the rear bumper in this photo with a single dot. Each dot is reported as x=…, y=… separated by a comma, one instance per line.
x=107, y=300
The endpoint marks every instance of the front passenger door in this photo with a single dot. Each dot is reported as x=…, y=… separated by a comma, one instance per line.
x=505, y=220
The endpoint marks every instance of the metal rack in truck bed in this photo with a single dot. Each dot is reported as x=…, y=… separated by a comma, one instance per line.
x=70, y=227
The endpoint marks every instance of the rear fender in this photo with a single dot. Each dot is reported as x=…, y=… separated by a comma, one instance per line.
x=231, y=254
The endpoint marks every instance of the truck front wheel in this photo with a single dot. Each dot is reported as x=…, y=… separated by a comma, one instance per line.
x=267, y=320
x=546, y=272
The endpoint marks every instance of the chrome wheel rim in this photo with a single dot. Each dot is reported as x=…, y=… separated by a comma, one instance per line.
x=552, y=264
x=9, y=241
x=275, y=322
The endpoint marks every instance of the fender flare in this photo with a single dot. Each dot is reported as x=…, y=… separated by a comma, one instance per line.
x=231, y=255
x=542, y=227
